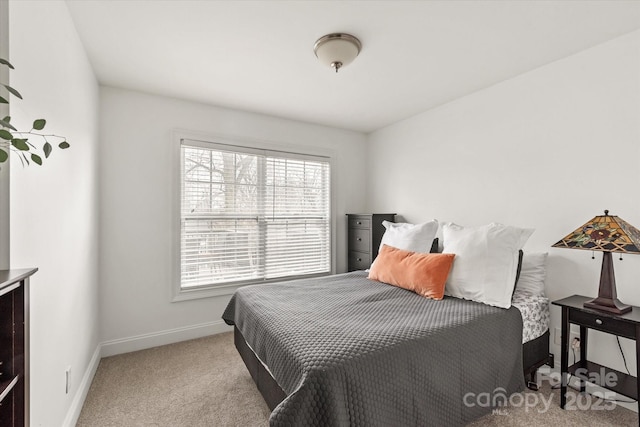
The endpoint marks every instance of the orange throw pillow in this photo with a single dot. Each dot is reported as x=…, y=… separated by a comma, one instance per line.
x=424, y=274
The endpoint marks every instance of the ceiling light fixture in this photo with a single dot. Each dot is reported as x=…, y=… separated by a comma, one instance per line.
x=337, y=50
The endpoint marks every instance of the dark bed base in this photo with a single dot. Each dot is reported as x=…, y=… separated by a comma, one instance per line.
x=535, y=353
x=268, y=387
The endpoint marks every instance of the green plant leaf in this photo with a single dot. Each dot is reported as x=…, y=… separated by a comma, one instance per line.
x=47, y=149
x=3, y=101
x=39, y=124
x=36, y=159
x=5, y=62
x=3, y=156
x=20, y=144
x=7, y=119
x=13, y=91
x=64, y=144
x=5, y=134
x=6, y=124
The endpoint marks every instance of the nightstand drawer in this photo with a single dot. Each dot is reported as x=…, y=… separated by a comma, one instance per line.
x=603, y=323
x=360, y=223
x=360, y=240
x=359, y=260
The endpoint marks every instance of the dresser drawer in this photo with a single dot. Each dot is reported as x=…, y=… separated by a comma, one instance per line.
x=359, y=260
x=360, y=223
x=359, y=240
x=603, y=323
x=364, y=233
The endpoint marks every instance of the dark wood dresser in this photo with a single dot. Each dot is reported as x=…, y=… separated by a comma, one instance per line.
x=364, y=234
x=14, y=347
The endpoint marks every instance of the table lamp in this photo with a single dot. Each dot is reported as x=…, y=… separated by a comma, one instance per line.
x=605, y=233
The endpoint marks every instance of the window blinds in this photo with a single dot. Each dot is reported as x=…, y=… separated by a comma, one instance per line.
x=252, y=215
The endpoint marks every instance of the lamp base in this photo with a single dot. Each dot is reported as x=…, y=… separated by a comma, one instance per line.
x=607, y=299
x=609, y=305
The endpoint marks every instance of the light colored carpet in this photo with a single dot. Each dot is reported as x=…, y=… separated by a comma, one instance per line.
x=194, y=383
x=203, y=382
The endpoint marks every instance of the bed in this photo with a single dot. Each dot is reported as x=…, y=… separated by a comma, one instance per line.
x=345, y=350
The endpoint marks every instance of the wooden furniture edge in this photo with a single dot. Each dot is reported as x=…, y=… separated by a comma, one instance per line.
x=9, y=277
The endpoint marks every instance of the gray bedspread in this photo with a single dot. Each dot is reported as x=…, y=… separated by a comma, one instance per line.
x=349, y=351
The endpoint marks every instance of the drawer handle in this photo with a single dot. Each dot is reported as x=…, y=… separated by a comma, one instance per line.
x=359, y=259
x=359, y=223
x=359, y=239
x=598, y=322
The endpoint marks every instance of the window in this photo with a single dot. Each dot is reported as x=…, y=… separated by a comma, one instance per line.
x=251, y=215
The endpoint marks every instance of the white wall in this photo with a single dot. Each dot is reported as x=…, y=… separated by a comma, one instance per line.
x=54, y=208
x=138, y=196
x=549, y=149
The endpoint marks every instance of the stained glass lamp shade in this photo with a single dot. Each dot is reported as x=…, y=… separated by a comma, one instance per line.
x=605, y=233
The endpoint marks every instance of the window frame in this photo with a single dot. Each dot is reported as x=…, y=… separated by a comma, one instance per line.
x=253, y=147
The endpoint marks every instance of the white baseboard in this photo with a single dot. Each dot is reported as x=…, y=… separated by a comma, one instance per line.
x=169, y=336
x=83, y=389
x=138, y=342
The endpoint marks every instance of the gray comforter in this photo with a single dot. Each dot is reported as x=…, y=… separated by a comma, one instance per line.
x=351, y=351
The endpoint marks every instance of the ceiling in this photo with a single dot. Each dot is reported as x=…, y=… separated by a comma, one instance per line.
x=258, y=55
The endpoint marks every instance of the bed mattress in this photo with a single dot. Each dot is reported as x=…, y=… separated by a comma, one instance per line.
x=535, y=314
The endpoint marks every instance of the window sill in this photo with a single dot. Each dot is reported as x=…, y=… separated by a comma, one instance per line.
x=197, y=293
x=222, y=290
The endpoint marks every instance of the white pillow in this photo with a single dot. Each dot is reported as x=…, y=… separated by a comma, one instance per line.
x=409, y=237
x=486, y=261
x=533, y=273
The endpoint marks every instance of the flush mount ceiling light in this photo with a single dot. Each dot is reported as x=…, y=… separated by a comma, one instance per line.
x=337, y=50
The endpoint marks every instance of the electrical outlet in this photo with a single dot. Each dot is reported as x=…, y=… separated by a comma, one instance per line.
x=67, y=375
x=557, y=337
x=573, y=337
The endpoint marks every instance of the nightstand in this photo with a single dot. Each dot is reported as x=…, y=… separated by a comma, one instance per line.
x=624, y=325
